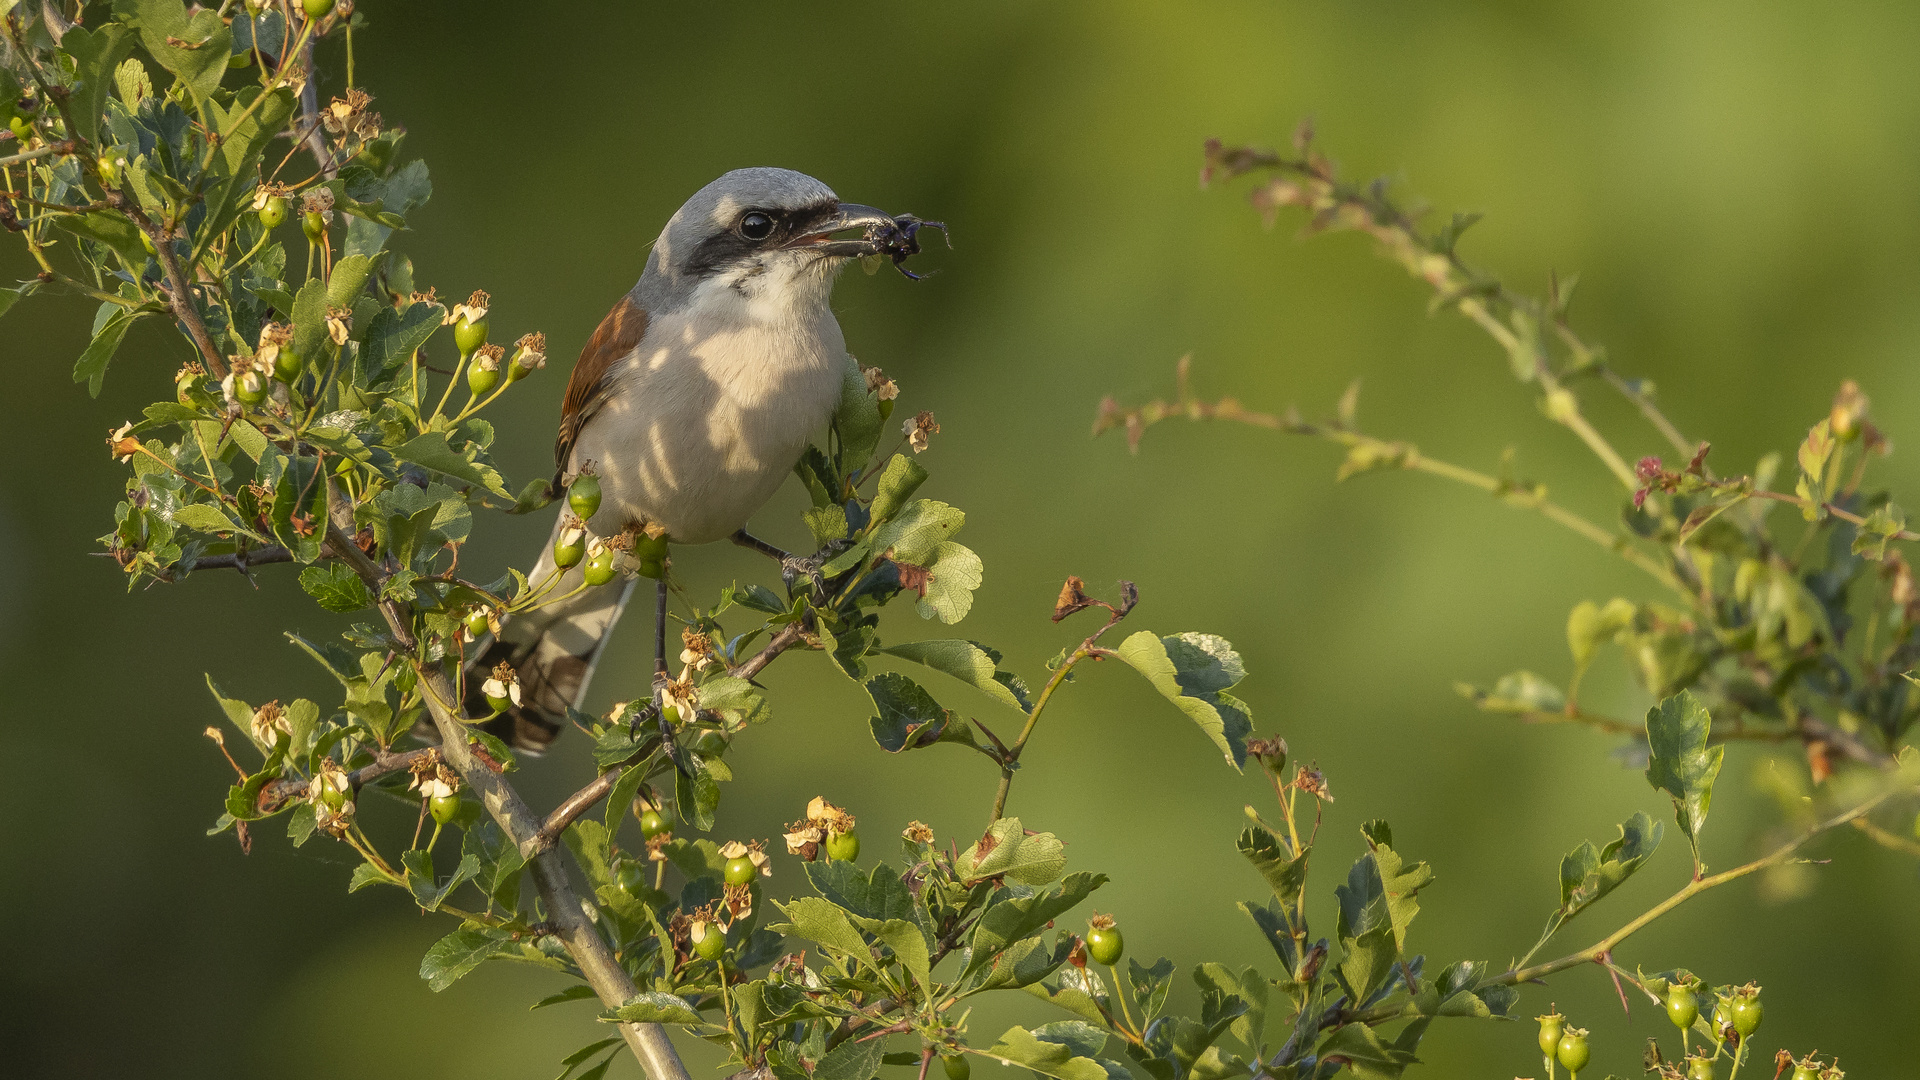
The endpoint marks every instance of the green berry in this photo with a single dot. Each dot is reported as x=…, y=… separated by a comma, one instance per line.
x=649, y=547
x=1700, y=1068
x=1572, y=1051
x=632, y=877
x=1104, y=943
x=1805, y=1070
x=599, y=569
x=569, y=548
x=1746, y=1012
x=287, y=365
x=249, y=387
x=443, y=807
x=273, y=212
x=1551, y=1025
x=584, y=495
x=653, y=568
x=316, y=9
x=314, y=225
x=469, y=334
x=740, y=870
x=843, y=846
x=956, y=1065
x=708, y=940
x=477, y=624
x=481, y=379
x=1682, y=1007
x=653, y=823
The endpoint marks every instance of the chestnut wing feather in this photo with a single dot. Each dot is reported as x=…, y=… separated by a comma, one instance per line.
x=618, y=334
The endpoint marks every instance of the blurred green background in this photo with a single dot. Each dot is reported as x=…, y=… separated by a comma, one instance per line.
x=1734, y=182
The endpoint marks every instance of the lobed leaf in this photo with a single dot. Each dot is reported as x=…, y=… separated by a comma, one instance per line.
x=1194, y=671
x=1681, y=763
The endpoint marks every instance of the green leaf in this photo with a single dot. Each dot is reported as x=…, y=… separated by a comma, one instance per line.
x=398, y=196
x=1052, y=1056
x=200, y=59
x=857, y=422
x=1587, y=874
x=1150, y=984
x=823, y=923
x=110, y=228
x=906, y=716
x=1518, y=692
x=430, y=450
x=1403, y=880
x=1366, y=1054
x=738, y=700
x=574, y=1060
x=392, y=336
x=238, y=713
x=1006, y=851
x=97, y=54
x=1589, y=625
x=335, y=587
x=1680, y=762
x=208, y=518
x=903, y=476
x=826, y=523
x=1365, y=929
x=1014, y=918
x=309, y=315
x=8, y=297
x=427, y=892
x=91, y=368
x=851, y=1060
x=368, y=874
x=1194, y=671
x=956, y=574
x=655, y=1007
x=1872, y=535
x=914, y=535
x=577, y=992
x=970, y=662
x=244, y=133
x=696, y=797
x=1268, y=853
x=879, y=894
x=458, y=953
x=348, y=278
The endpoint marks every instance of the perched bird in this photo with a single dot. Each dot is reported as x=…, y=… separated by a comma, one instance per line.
x=692, y=402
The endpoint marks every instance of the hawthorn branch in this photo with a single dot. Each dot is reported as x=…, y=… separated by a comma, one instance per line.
x=601, y=786
x=567, y=917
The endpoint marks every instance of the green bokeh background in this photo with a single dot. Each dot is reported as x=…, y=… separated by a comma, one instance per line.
x=1734, y=182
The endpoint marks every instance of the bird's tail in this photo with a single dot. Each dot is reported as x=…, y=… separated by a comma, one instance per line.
x=554, y=650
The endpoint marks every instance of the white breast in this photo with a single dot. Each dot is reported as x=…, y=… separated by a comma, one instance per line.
x=710, y=412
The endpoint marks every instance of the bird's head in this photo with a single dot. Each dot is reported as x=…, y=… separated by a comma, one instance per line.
x=769, y=235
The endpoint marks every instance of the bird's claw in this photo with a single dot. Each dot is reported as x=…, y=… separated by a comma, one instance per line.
x=656, y=712
x=794, y=567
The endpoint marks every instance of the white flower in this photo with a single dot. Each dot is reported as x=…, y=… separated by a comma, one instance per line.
x=496, y=690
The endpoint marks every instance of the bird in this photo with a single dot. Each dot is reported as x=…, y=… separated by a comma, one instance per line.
x=691, y=402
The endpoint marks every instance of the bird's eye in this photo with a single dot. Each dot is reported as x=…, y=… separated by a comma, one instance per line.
x=756, y=226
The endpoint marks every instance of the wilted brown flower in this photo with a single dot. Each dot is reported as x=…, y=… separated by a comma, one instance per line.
x=918, y=429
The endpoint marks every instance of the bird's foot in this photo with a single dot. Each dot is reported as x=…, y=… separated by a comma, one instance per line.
x=794, y=567
x=655, y=712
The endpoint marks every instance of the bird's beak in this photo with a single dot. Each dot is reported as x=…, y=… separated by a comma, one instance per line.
x=875, y=225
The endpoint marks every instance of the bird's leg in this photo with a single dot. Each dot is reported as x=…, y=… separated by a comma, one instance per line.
x=792, y=567
x=661, y=677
